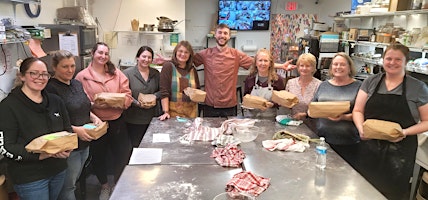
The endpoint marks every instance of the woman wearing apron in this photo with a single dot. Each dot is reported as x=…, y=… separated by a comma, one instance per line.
x=261, y=81
x=176, y=76
x=391, y=96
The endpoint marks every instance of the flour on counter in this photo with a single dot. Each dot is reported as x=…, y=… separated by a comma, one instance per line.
x=175, y=190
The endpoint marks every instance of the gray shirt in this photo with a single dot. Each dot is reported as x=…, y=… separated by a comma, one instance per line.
x=337, y=132
x=417, y=92
x=134, y=114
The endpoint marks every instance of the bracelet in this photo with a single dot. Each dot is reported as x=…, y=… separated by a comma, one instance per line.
x=165, y=112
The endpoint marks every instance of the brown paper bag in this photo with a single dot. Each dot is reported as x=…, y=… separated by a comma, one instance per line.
x=195, y=95
x=382, y=130
x=53, y=143
x=96, y=131
x=114, y=100
x=147, y=100
x=284, y=98
x=328, y=108
x=256, y=102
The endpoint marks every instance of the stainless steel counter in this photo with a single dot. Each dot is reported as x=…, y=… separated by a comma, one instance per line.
x=293, y=175
x=181, y=182
x=180, y=153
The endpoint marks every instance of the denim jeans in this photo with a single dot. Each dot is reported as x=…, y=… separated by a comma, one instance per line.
x=75, y=163
x=45, y=189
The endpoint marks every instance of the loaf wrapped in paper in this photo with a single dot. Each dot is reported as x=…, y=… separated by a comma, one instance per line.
x=147, y=100
x=254, y=102
x=53, y=143
x=114, y=100
x=195, y=95
x=96, y=131
x=284, y=98
x=382, y=130
x=328, y=109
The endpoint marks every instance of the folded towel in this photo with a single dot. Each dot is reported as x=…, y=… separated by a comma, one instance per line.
x=286, y=144
x=247, y=182
x=229, y=156
x=223, y=140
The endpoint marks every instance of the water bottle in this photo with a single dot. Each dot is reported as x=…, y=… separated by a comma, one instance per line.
x=321, y=150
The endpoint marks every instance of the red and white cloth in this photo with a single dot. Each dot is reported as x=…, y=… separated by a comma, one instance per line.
x=286, y=144
x=205, y=133
x=247, y=182
x=229, y=156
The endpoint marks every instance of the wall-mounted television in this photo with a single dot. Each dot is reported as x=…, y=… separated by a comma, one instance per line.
x=244, y=14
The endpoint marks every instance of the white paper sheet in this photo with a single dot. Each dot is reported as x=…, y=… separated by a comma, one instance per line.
x=145, y=156
x=161, y=137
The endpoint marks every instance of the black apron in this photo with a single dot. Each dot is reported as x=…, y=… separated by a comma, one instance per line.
x=387, y=165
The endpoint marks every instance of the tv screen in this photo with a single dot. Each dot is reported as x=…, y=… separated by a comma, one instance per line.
x=244, y=14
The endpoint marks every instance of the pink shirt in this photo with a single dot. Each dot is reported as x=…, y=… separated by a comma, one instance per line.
x=92, y=85
x=294, y=87
x=221, y=74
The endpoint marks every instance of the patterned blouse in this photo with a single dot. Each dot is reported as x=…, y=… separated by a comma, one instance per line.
x=294, y=87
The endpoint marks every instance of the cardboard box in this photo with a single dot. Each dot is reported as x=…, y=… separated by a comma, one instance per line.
x=399, y=5
x=353, y=34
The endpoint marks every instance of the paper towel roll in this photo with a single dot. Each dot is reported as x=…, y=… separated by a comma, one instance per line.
x=249, y=48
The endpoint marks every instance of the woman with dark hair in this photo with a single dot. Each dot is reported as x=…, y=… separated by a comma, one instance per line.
x=79, y=109
x=396, y=97
x=261, y=81
x=142, y=79
x=102, y=76
x=177, y=75
x=27, y=113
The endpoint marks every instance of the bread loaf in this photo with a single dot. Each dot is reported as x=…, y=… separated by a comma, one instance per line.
x=195, y=95
x=328, y=109
x=284, y=98
x=147, y=100
x=256, y=102
x=382, y=130
x=114, y=100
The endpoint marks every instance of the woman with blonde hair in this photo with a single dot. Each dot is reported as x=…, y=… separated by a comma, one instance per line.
x=261, y=81
x=304, y=86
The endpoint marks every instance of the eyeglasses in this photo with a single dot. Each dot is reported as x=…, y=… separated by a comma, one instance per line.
x=36, y=75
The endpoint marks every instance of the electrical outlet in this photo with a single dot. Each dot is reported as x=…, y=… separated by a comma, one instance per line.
x=248, y=42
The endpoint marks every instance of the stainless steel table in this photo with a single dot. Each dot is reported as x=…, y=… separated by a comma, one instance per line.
x=294, y=175
x=176, y=152
x=181, y=182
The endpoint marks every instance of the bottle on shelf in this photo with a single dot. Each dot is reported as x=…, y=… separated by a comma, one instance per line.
x=373, y=36
x=321, y=150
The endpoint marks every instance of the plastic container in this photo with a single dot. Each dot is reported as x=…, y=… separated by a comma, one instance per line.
x=321, y=150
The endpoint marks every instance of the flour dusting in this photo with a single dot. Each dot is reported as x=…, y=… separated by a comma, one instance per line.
x=175, y=190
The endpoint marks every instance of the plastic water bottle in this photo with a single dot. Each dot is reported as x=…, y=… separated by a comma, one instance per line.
x=321, y=150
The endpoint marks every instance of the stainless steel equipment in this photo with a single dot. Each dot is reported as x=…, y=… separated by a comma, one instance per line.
x=86, y=39
x=166, y=24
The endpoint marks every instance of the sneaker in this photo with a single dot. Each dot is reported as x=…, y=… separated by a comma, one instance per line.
x=105, y=193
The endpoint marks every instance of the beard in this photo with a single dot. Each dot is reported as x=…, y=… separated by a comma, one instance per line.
x=220, y=44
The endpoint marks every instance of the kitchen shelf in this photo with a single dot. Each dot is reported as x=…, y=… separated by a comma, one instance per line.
x=382, y=14
x=150, y=32
x=368, y=60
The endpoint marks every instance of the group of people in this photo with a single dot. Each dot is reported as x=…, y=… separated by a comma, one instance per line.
x=45, y=104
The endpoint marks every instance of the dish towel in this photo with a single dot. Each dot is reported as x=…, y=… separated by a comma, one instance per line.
x=204, y=133
x=247, y=182
x=229, y=156
x=199, y=132
x=286, y=144
x=228, y=125
x=223, y=140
